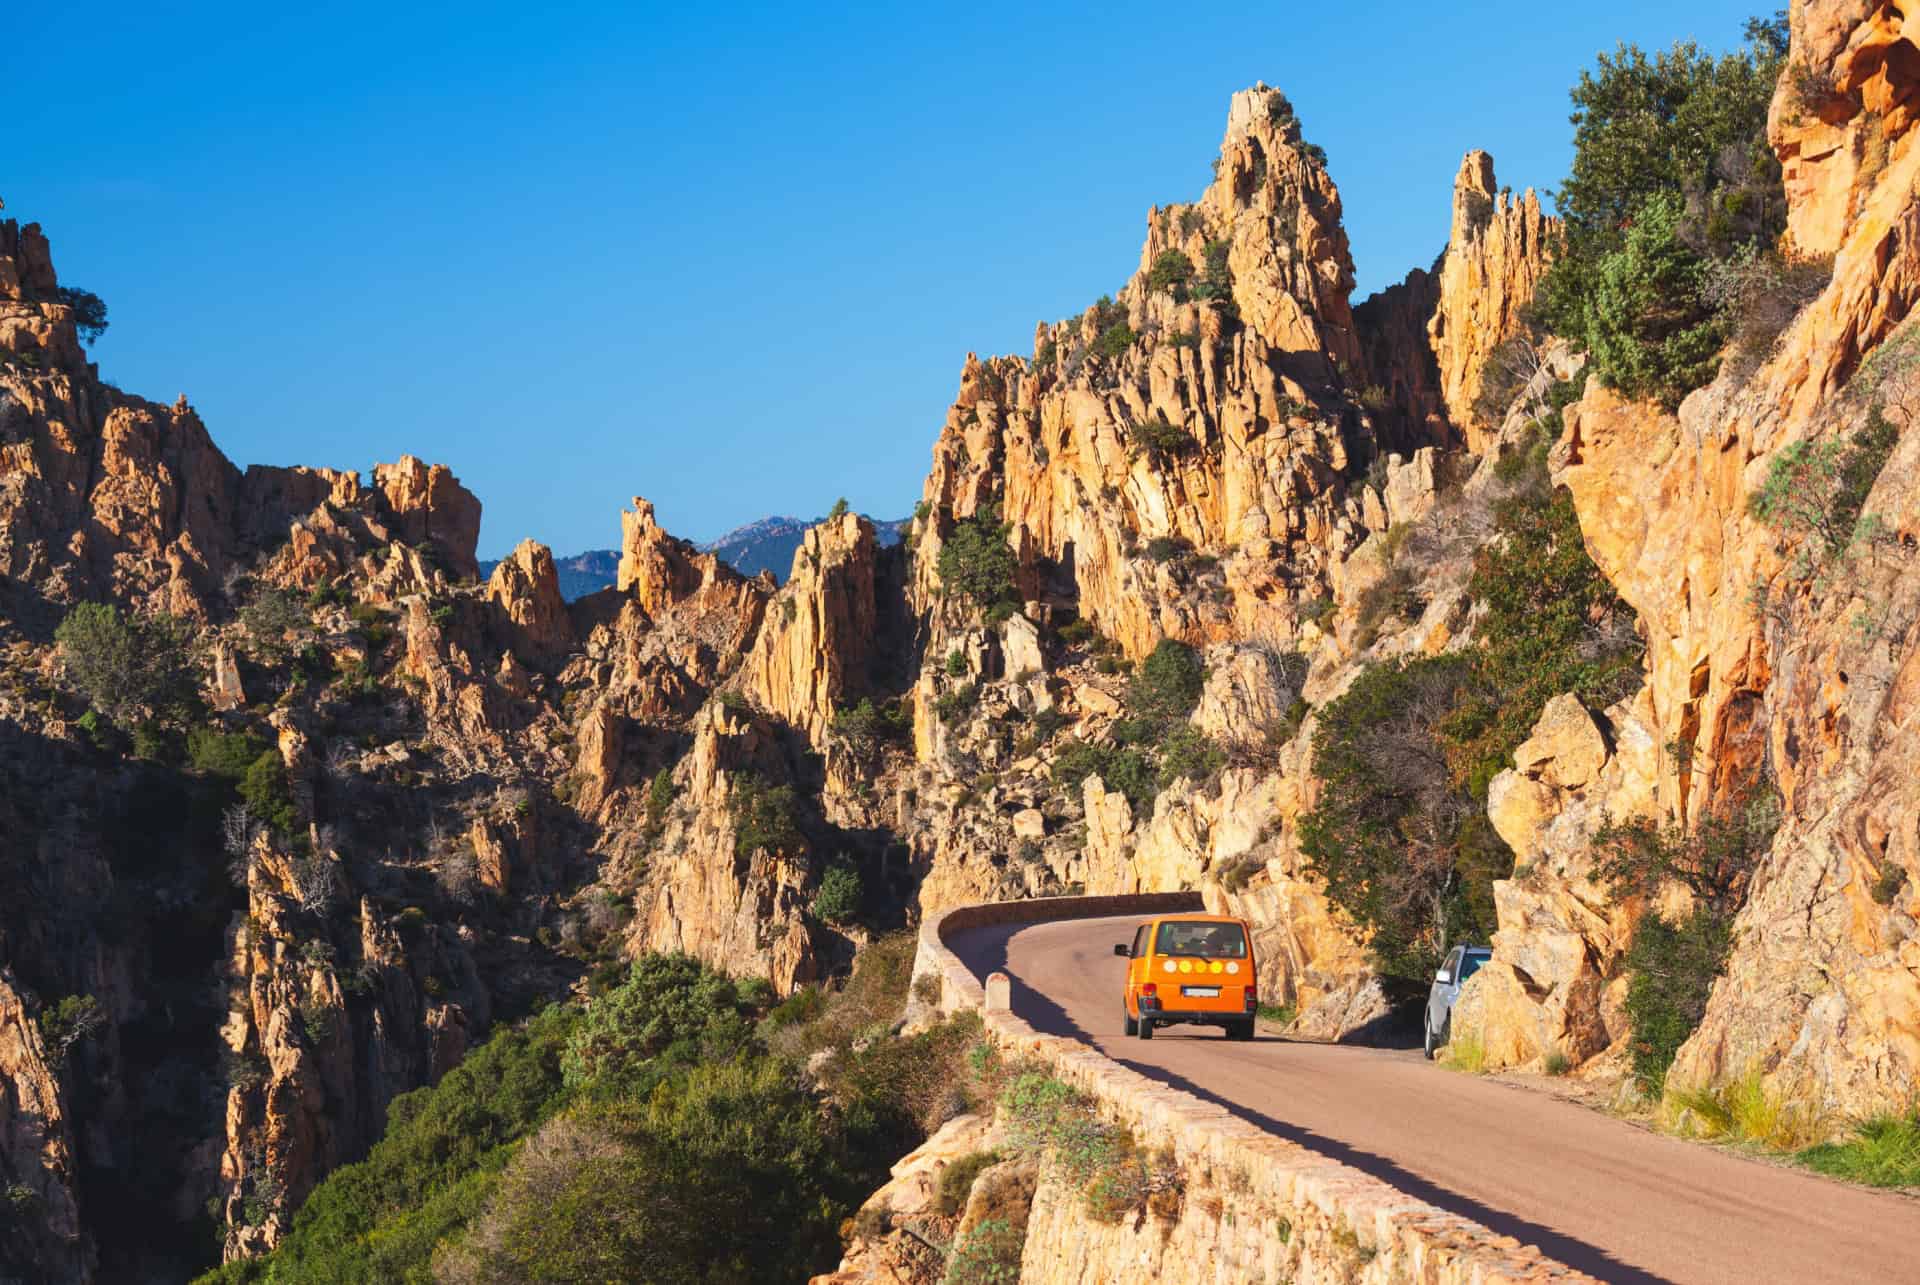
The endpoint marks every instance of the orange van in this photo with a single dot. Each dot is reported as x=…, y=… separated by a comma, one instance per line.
x=1196, y=969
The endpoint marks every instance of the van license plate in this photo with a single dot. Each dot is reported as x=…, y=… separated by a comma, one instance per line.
x=1201, y=992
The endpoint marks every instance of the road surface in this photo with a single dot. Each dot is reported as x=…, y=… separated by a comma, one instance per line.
x=1599, y=1194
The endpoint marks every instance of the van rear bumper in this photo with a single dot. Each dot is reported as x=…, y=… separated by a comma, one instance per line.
x=1223, y=1017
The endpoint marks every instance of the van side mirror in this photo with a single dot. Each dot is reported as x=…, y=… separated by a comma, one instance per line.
x=1441, y=976
x=1125, y=952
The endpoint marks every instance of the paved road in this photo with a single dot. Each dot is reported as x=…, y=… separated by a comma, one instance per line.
x=1599, y=1194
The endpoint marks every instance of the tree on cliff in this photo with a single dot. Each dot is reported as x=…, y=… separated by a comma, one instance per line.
x=129, y=667
x=1671, y=172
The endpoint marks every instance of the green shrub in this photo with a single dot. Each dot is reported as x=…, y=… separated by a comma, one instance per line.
x=977, y=561
x=671, y=1011
x=1190, y=753
x=1169, y=683
x=838, y=899
x=660, y=794
x=866, y=726
x=1646, y=323
x=66, y=1023
x=1171, y=271
x=957, y=663
x=1818, y=491
x=1165, y=548
x=1215, y=283
x=268, y=795
x=225, y=755
x=1159, y=439
x=269, y=616
x=1128, y=771
x=1402, y=847
x=956, y=1181
x=958, y=703
x=989, y=1254
x=1671, y=967
x=726, y=1173
x=1550, y=623
x=839, y=509
x=765, y=817
x=443, y=1148
x=89, y=312
x=1114, y=341
x=129, y=667
x=1671, y=169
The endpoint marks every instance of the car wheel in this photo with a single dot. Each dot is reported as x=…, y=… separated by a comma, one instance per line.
x=1146, y=1028
x=1131, y=1027
x=1426, y=1039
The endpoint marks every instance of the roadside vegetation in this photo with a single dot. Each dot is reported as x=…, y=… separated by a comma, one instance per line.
x=1399, y=833
x=668, y=1130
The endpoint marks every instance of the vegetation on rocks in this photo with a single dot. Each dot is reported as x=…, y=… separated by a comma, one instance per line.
x=977, y=562
x=130, y=667
x=1671, y=173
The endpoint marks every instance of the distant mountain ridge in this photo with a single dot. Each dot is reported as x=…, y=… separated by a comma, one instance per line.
x=764, y=545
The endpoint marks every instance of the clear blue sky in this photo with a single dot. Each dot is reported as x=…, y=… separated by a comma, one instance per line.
x=727, y=259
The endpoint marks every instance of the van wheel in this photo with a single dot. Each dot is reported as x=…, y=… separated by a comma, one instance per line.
x=1146, y=1028
x=1240, y=1030
x=1132, y=1027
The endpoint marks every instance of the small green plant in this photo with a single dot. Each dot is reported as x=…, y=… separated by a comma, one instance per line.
x=1818, y=490
x=131, y=668
x=66, y=1023
x=1169, y=683
x=957, y=663
x=1160, y=440
x=838, y=899
x=989, y=1254
x=1279, y=1014
x=765, y=817
x=954, y=705
x=1883, y=1151
x=1171, y=271
x=956, y=1181
x=1466, y=1052
x=1114, y=341
x=839, y=509
x=1557, y=1063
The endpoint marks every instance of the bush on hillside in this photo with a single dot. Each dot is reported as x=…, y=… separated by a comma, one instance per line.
x=765, y=817
x=838, y=899
x=977, y=561
x=131, y=668
x=1171, y=271
x=1817, y=491
x=671, y=1011
x=1169, y=683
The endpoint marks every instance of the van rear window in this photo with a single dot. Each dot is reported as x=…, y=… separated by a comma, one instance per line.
x=1202, y=941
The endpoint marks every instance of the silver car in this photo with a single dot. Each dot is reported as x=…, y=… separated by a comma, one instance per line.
x=1462, y=963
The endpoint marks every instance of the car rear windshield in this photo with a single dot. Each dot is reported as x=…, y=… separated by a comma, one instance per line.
x=1471, y=964
x=1203, y=941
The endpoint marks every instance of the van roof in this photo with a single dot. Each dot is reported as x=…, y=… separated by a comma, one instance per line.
x=1195, y=917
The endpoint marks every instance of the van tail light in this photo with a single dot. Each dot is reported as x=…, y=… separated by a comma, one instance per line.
x=1253, y=999
x=1149, y=990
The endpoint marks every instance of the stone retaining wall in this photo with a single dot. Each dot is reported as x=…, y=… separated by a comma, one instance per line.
x=1257, y=1206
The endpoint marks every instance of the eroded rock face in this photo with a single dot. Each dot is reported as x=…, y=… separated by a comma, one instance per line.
x=430, y=506
x=1258, y=402
x=1754, y=671
x=816, y=645
x=1497, y=251
x=526, y=588
x=36, y=1149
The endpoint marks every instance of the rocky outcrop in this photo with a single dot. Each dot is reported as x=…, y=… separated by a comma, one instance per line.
x=526, y=589
x=1759, y=673
x=42, y=1234
x=1497, y=251
x=429, y=506
x=707, y=891
x=816, y=646
x=1076, y=444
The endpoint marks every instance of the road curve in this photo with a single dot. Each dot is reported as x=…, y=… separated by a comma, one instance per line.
x=1599, y=1194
